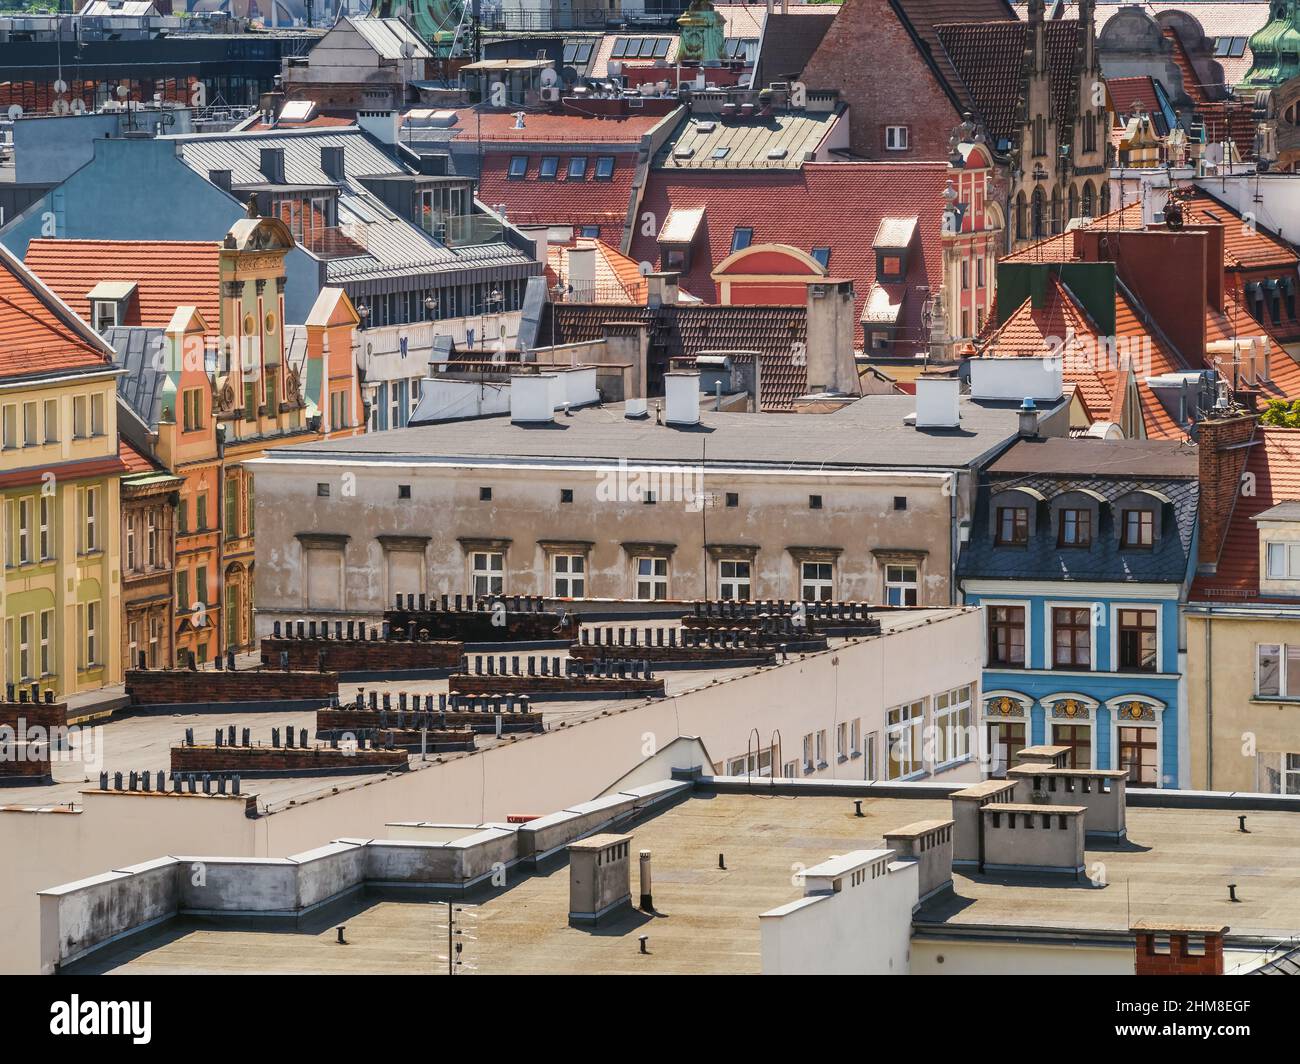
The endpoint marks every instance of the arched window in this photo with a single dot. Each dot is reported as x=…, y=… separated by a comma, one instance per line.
x=1074, y=204
x=1105, y=198
x=1057, y=224
x=1020, y=216
x=1038, y=211
x=1089, y=198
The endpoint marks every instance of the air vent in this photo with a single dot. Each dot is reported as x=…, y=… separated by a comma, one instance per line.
x=705, y=127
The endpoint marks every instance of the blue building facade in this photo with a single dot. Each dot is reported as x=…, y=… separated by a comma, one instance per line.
x=1081, y=553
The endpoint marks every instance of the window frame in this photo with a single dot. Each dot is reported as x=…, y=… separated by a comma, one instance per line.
x=1117, y=612
x=654, y=578
x=734, y=579
x=989, y=627
x=1146, y=524
x=903, y=585
x=1055, y=608
x=1082, y=522
x=570, y=576
x=488, y=572
x=1018, y=513
x=897, y=138
x=818, y=581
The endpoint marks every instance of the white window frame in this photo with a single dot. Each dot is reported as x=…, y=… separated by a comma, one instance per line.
x=808, y=764
x=80, y=416
x=25, y=530
x=105, y=314
x=651, y=586
x=9, y=427
x=729, y=583
x=855, y=737
x=817, y=583
x=842, y=741
x=90, y=517
x=97, y=414
x=1028, y=606
x=568, y=581
x=92, y=634
x=1288, y=771
x=46, y=528
x=953, y=737
x=1288, y=553
x=46, y=623
x=483, y=568
x=821, y=749
x=31, y=424
x=903, y=585
x=897, y=138
x=26, y=631
x=1282, y=673
x=910, y=727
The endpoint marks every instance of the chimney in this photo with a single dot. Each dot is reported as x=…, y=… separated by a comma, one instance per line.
x=582, y=274
x=661, y=289
x=271, y=164
x=600, y=880
x=531, y=401
x=221, y=178
x=682, y=396
x=938, y=402
x=1028, y=419
x=929, y=843
x=647, y=893
x=1177, y=949
x=1222, y=455
x=829, y=339
x=331, y=161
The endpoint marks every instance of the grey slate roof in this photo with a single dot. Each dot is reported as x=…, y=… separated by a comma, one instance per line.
x=141, y=386
x=1103, y=561
x=1287, y=964
x=867, y=434
x=394, y=247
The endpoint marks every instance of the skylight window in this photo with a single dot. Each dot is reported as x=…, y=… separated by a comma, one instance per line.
x=741, y=238
x=577, y=168
x=822, y=256
x=721, y=153
x=550, y=165
x=604, y=167
x=518, y=167
x=577, y=53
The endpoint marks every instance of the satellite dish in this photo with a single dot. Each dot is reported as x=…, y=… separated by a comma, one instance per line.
x=549, y=77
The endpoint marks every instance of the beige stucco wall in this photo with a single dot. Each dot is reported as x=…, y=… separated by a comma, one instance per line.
x=1241, y=726
x=857, y=519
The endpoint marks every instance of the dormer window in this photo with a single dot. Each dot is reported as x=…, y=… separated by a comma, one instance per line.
x=1284, y=561
x=1075, y=529
x=108, y=303
x=1139, y=529
x=1013, y=526
x=105, y=315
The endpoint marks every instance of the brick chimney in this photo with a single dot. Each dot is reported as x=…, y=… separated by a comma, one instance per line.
x=1177, y=949
x=1175, y=299
x=1223, y=450
x=831, y=329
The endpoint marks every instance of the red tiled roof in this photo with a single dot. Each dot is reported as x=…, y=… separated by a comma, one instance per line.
x=618, y=278
x=1244, y=246
x=564, y=201
x=37, y=333
x=109, y=465
x=989, y=58
x=1274, y=463
x=1125, y=92
x=1037, y=331
x=834, y=205
x=315, y=122
x=1232, y=120
x=1191, y=79
x=167, y=273
x=133, y=460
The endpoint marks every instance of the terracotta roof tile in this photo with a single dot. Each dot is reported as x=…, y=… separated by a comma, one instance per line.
x=618, y=278
x=1274, y=463
x=167, y=273
x=39, y=334
x=835, y=205
x=577, y=202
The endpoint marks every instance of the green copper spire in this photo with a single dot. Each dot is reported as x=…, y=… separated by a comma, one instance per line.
x=1276, y=48
x=702, y=33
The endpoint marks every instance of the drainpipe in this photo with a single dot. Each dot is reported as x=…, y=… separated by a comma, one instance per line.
x=1209, y=702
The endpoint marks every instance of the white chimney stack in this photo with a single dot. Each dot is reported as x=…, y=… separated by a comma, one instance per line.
x=582, y=273
x=937, y=402
x=532, y=398
x=682, y=395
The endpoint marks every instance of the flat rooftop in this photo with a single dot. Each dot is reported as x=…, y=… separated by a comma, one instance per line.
x=1174, y=868
x=143, y=741
x=870, y=433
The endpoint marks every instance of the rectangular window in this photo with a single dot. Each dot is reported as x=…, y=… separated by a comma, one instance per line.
x=131, y=565
x=201, y=512
x=24, y=531
x=51, y=421
x=952, y=724
x=151, y=543
x=903, y=735
x=9, y=434
x=92, y=518
x=47, y=636
x=570, y=575
x=734, y=580
x=1137, y=640
x=518, y=167
x=902, y=586
x=577, y=168
x=232, y=508
x=1007, y=636
x=97, y=414
x=25, y=625
x=183, y=590
x=896, y=138
x=47, y=528
x=1013, y=526
x=741, y=238
x=31, y=425
x=550, y=165
x=821, y=749
x=855, y=737
x=1071, y=638
x=488, y=570
x=183, y=516
x=822, y=256
x=817, y=581
x=250, y=400
x=652, y=578
x=808, y=753
x=1277, y=672
x=604, y=167
x=80, y=405
x=1076, y=529
x=201, y=586
x=92, y=634
x=1139, y=528
x=105, y=315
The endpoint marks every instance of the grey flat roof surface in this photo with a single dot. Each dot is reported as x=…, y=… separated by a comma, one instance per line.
x=869, y=433
x=1109, y=458
x=1174, y=869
